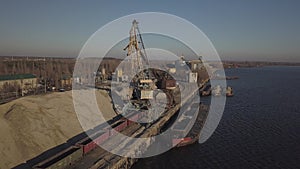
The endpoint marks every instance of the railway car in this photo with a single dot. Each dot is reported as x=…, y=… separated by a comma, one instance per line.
x=118, y=128
x=88, y=144
x=102, y=138
x=69, y=154
x=134, y=118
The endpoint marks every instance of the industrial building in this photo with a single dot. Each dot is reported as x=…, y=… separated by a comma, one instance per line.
x=21, y=82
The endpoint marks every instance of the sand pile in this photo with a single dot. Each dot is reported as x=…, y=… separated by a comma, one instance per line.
x=33, y=124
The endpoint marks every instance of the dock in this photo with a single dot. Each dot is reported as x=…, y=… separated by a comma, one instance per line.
x=100, y=158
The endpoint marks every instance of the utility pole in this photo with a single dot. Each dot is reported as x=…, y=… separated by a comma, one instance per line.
x=45, y=79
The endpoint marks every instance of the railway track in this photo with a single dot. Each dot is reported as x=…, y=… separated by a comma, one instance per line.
x=109, y=160
x=84, y=152
x=99, y=154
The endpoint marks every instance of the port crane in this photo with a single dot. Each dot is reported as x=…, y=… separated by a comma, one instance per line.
x=143, y=82
x=136, y=49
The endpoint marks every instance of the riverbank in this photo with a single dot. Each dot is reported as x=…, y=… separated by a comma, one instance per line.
x=248, y=64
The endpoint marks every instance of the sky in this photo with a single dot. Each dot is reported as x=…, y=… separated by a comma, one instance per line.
x=260, y=30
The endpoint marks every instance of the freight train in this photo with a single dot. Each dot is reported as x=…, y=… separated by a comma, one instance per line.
x=71, y=153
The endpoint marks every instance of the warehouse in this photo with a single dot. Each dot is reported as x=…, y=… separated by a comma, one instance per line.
x=22, y=83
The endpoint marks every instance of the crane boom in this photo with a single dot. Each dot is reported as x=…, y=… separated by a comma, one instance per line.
x=136, y=51
x=142, y=82
x=144, y=55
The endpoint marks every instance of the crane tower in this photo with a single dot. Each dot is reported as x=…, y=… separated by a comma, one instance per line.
x=136, y=50
x=142, y=82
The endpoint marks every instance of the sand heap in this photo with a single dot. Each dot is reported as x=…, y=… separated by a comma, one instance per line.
x=33, y=124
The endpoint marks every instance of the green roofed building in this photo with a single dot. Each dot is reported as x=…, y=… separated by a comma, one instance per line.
x=16, y=77
x=24, y=82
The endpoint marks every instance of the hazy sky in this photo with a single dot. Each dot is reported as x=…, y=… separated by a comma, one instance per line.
x=240, y=30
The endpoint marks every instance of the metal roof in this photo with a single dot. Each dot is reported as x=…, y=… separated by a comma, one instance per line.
x=66, y=76
x=16, y=76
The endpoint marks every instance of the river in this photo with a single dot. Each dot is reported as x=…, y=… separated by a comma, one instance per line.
x=260, y=127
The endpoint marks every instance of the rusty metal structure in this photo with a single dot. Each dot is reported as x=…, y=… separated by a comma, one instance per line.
x=143, y=82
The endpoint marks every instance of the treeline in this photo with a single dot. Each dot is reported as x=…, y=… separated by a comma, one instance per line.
x=51, y=69
x=39, y=67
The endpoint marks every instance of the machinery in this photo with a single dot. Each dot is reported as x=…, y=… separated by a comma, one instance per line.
x=143, y=82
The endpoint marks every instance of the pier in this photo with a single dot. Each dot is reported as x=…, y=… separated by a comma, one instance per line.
x=100, y=158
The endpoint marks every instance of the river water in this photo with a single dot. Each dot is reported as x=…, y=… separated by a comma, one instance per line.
x=260, y=127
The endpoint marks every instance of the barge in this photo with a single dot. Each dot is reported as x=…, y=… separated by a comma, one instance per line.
x=193, y=134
